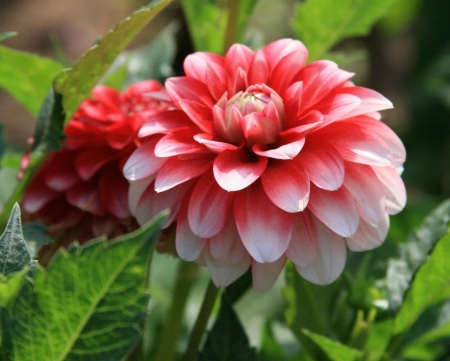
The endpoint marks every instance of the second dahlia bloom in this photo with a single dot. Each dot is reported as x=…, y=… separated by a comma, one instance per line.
x=265, y=159
x=80, y=191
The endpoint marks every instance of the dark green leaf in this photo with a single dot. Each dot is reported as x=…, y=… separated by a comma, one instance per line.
x=270, y=349
x=430, y=285
x=414, y=252
x=76, y=83
x=35, y=236
x=85, y=306
x=27, y=77
x=227, y=340
x=7, y=35
x=335, y=351
x=13, y=251
x=320, y=24
x=239, y=287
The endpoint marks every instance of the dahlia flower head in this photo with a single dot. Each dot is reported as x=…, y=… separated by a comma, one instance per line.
x=80, y=191
x=265, y=158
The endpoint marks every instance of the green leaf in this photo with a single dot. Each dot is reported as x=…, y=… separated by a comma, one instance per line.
x=85, y=306
x=321, y=24
x=2, y=144
x=308, y=306
x=208, y=19
x=270, y=349
x=76, y=83
x=9, y=287
x=414, y=252
x=335, y=351
x=13, y=251
x=379, y=337
x=239, y=287
x=7, y=35
x=35, y=236
x=27, y=77
x=227, y=340
x=431, y=284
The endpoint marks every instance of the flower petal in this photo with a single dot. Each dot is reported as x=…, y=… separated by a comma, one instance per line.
x=195, y=65
x=215, y=146
x=209, y=207
x=200, y=114
x=264, y=228
x=258, y=72
x=85, y=196
x=288, y=147
x=330, y=261
x=287, y=185
x=183, y=87
x=113, y=191
x=176, y=143
x=90, y=160
x=135, y=191
x=393, y=187
x=368, y=237
x=303, y=247
x=170, y=120
x=336, y=209
x=63, y=174
x=236, y=169
x=371, y=100
x=264, y=275
x=278, y=49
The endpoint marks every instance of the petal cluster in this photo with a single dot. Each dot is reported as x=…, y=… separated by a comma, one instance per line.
x=80, y=191
x=265, y=158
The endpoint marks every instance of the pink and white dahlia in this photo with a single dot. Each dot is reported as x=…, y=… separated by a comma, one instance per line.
x=80, y=191
x=265, y=158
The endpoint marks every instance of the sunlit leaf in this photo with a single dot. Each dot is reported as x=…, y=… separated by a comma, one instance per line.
x=9, y=287
x=335, y=351
x=76, y=83
x=27, y=77
x=227, y=340
x=414, y=252
x=13, y=251
x=87, y=302
x=430, y=285
x=320, y=24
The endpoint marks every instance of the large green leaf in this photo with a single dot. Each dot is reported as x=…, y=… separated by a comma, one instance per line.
x=208, y=19
x=335, y=351
x=27, y=77
x=379, y=337
x=270, y=349
x=9, y=287
x=414, y=252
x=13, y=251
x=85, y=306
x=76, y=83
x=320, y=24
x=227, y=340
x=430, y=285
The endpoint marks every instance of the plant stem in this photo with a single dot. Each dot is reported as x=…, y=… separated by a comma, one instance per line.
x=187, y=273
x=197, y=332
x=230, y=32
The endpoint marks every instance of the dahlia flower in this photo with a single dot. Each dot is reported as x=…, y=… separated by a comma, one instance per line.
x=80, y=191
x=264, y=158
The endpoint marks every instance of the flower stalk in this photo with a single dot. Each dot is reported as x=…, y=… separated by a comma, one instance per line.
x=232, y=24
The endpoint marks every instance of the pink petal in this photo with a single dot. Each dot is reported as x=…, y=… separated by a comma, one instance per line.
x=393, y=187
x=284, y=72
x=183, y=87
x=85, y=196
x=287, y=185
x=142, y=87
x=330, y=261
x=240, y=81
x=89, y=161
x=216, y=80
x=62, y=174
x=113, y=191
x=180, y=142
x=179, y=170
x=363, y=184
x=259, y=129
x=264, y=228
x=336, y=209
x=264, y=275
x=323, y=164
x=337, y=106
x=292, y=102
x=209, y=207
x=200, y=114
x=188, y=245
x=238, y=56
x=236, y=169
x=195, y=65
x=107, y=96
x=135, y=191
x=303, y=247
x=258, y=72
x=304, y=124
x=165, y=122
x=215, y=146
x=371, y=101
x=143, y=162
x=288, y=147
x=368, y=237
x=357, y=144
x=278, y=49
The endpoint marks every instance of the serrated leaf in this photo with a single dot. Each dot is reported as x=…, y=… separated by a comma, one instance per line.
x=207, y=21
x=431, y=284
x=13, y=251
x=86, y=304
x=414, y=252
x=335, y=351
x=227, y=340
x=308, y=306
x=76, y=83
x=7, y=35
x=9, y=287
x=27, y=77
x=320, y=24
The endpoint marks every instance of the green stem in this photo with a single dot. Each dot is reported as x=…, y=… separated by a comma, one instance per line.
x=191, y=353
x=187, y=274
x=230, y=33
